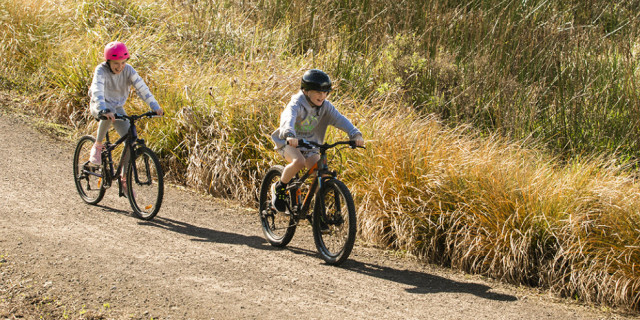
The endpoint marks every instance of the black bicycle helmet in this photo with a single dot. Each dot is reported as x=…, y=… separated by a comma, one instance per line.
x=315, y=79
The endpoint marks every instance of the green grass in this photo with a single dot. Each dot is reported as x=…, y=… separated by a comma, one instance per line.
x=501, y=135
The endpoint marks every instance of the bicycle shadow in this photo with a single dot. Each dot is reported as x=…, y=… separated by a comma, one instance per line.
x=420, y=282
x=114, y=210
x=424, y=283
x=205, y=234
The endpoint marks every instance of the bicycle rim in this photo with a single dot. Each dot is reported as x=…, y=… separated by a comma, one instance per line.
x=145, y=184
x=87, y=177
x=278, y=227
x=334, y=222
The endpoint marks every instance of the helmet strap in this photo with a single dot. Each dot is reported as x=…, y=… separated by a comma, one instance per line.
x=109, y=65
x=309, y=100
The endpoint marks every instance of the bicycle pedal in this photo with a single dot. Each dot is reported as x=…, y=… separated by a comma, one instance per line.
x=92, y=166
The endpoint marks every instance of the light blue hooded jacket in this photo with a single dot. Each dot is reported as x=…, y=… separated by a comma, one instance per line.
x=310, y=123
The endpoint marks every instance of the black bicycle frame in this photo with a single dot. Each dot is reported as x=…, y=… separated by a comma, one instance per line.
x=130, y=140
x=109, y=147
x=322, y=170
x=323, y=173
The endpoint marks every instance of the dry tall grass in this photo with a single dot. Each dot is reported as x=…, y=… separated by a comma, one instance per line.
x=459, y=196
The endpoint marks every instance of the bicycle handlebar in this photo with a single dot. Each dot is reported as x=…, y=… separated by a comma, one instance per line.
x=310, y=144
x=149, y=114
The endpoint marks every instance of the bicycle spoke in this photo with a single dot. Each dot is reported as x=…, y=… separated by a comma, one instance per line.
x=89, y=185
x=335, y=223
x=278, y=227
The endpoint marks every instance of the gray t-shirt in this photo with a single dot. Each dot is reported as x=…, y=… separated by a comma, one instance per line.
x=110, y=91
x=310, y=123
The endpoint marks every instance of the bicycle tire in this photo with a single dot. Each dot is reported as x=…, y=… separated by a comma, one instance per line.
x=334, y=222
x=89, y=186
x=278, y=227
x=145, y=192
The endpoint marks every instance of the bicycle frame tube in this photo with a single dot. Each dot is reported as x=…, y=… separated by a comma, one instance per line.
x=319, y=169
x=128, y=140
x=309, y=196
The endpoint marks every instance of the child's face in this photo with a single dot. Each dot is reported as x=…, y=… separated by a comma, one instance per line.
x=317, y=97
x=117, y=65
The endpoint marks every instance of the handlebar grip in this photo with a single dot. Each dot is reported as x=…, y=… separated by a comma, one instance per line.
x=352, y=145
x=303, y=143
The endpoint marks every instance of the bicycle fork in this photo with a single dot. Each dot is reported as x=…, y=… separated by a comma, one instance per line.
x=146, y=171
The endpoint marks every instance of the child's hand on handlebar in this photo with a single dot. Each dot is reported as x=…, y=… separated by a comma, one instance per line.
x=106, y=114
x=292, y=142
x=359, y=141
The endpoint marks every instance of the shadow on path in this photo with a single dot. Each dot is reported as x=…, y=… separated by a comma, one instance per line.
x=422, y=283
x=208, y=235
x=114, y=210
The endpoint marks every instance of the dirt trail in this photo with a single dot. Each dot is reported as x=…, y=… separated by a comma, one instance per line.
x=203, y=258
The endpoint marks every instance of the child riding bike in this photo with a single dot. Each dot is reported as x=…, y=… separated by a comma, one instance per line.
x=307, y=116
x=109, y=91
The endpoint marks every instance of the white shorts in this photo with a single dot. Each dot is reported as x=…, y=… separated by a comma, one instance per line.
x=306, y=153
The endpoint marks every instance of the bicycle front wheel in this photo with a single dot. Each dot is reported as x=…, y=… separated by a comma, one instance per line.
x=87, y=176
x=334, y=222
x=145, y=183
x=278, y=227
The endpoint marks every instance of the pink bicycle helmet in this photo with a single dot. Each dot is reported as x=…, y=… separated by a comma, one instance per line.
x=116, y=50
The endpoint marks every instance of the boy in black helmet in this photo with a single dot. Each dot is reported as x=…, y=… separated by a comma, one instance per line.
x=307, y=116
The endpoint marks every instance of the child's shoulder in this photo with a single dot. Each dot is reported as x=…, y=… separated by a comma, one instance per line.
x=102, y=67
x=129, y=69
x=297, y=100
x=297, y=97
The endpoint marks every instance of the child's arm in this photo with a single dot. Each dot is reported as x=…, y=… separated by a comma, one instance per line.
x=341, y=122
x=288, y=121
x=143, y=90
x=96, y=91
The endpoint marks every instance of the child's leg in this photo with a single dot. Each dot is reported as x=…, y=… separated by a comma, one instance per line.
x=103, y=127
x=121, y=126
x=313, y=159
x=296, y=163
x=96, y=149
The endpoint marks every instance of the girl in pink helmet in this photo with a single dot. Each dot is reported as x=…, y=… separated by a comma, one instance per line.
x=112, y=81
x=109, y=90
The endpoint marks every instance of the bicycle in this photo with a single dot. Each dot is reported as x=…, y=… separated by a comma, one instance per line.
x=333, y=219
x=144, y=182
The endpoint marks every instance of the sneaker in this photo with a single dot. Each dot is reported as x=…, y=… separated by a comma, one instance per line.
x=279, y=196
x=96, y=154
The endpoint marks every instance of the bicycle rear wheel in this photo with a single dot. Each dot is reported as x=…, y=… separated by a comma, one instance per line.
x=278, y=227
x=334, y=222
x=145, y=183
x=87, y=176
